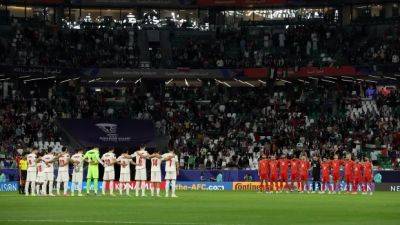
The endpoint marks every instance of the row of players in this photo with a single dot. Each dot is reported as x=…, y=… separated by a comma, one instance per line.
x=274, y=171
x=40, y=171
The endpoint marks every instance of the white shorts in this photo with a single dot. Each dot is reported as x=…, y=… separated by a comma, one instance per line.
x=40, y=178
x=170, y=175
x=155, y=176
x=31, y=176
x=140, y=174
x=109, y=175
x=49, y=176
x=77, y=177
x=125, y=177
x=63, y=176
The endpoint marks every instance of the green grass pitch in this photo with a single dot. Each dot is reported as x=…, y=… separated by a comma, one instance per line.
x=202, y=207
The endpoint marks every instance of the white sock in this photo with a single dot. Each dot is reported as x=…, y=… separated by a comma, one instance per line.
x=50, y=187
x=58, y=187
x=33, y=187
x=65, y=187
x=121, y=187
x=143, y=187
x=137, y=186
x=37, y=189
x=173, y=186
x=27, y=187
x=73, y=187
x=80, y=187
x=167, y=187
x=103, y=188
x=158, y=191
x=111, y=186
x=152, y=189
x=127, y=188
x=44, y=187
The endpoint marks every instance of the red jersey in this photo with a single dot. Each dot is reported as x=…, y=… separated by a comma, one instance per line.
x=348, y=167
x=273, y=168
x=367, y=169
x=283, y=166
x=294, y=166
x=357, y=170
x=325, y=168
x=304, y=166
x=335, y=164
x=263, y=166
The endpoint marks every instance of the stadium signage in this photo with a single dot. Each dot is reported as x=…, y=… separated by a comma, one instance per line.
x=203, y=186
x=393, y=187
x=8, y=186
x=246, y=186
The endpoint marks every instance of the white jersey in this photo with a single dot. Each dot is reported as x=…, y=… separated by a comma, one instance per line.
x=108, y=158
x=31, y=158
x=63, y=162
x=170, y=165
x=125, y=164
x=78, y=167
x=155, y=164
x=140, y=161
x=49, y=164
x=40, y=168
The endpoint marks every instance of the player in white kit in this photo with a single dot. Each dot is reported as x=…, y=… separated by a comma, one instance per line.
x=63, y=173
x=109, y=173
x=140, y=157
x=77, y=174
x=155, y=160
x=125, y=172
x=40, y=176
x=171, y=171
x=31, y=172
x=48, y=159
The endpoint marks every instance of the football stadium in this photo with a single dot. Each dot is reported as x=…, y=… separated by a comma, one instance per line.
x=200, y=112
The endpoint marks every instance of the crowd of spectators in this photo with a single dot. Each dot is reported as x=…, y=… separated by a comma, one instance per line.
x=218, y=127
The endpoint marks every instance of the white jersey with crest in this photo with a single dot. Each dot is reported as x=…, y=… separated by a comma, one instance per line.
x=31, y=158
x=49, y=165
x=108, y=158
x=140, y=161
x=170, y=165
x=78, y=157
x=125, y=164
x=63, y=162
x=155, y=164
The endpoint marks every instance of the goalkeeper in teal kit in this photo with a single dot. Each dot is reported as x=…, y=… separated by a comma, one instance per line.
x=93, y=158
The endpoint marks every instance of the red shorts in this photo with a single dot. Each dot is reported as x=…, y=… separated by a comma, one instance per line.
x=273, y=178
x=367, y=178
x=303, y=177
x=356, y=180
x=348, y=178
x=263, y=176
x=325, y=178
x=294, y=177
x=336, y=177
x=284, y=177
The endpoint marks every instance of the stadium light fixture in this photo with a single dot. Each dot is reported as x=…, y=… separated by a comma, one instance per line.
x=261, y=81
x=304, y=81
x=328, y=81
x=329, y=77
x=64, y=81
x=169, y=81
x=138, y=80
x=33, y=79
x=186, y=82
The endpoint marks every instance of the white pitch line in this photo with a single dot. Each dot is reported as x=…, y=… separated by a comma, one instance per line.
x=103, y=222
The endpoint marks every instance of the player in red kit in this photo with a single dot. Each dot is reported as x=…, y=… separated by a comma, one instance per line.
x=348, y=172
x=294, y=173
x=335, y=165
x=273, y=173
x=263, y=172
x=357, y=175
x=283, y=172
x=304, y=167
x=367, y=176
x=325, y=171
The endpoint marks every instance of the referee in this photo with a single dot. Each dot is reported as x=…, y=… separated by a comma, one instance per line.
x=23, y=167
x=316, y=172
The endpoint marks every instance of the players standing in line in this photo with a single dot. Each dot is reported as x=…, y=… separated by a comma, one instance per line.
x=304, y=168
x=348, y=172
x=93, y=158
x=49, y=159
x=263, y=172
x=140, y=157
x=335, y=165
x=273, y=174
x=294, y=173
x=283, y=163
x=109, y=174
x=31, y=172
x=155, y=179
x=63, y=171
x=77, y=174
x=171, y=172
x=357, y=175
x=367, y=176
x=40, y=176
x=325, y=171
x=125, y=172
